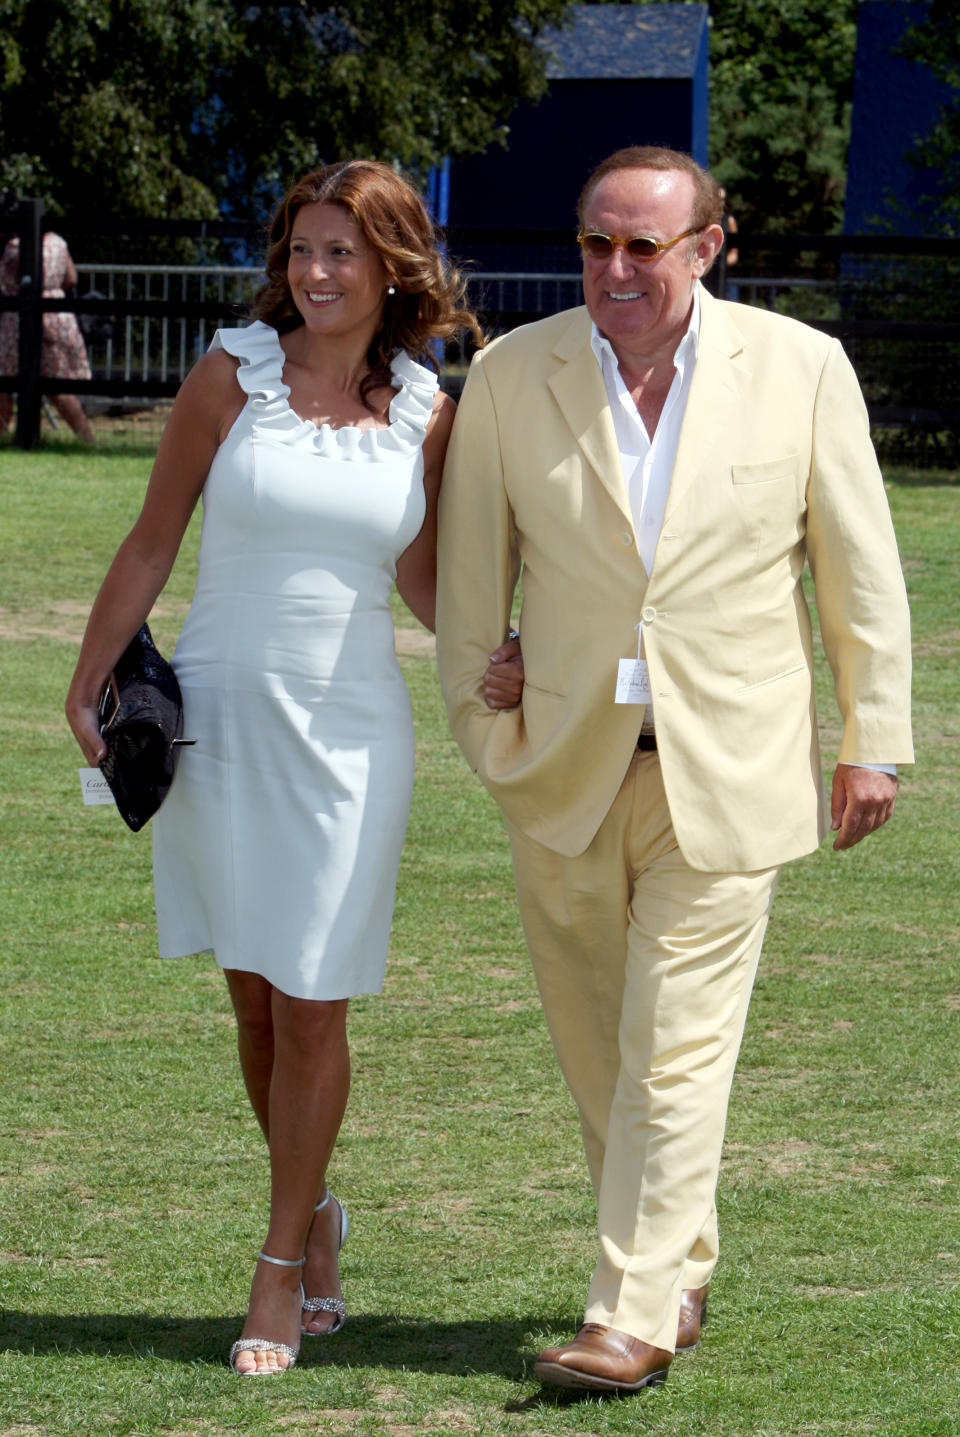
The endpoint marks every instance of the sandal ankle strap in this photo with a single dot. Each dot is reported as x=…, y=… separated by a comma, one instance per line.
x=281, y=1261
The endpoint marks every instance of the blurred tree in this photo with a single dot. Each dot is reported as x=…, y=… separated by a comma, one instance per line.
x=99, y=101
x=190, y=108
x=935, y=42
x=781, y=86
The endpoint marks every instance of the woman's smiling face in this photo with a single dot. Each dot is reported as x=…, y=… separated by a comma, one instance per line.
x=337, y=279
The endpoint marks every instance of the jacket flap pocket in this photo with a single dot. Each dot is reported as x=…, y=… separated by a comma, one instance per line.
x=785, y=468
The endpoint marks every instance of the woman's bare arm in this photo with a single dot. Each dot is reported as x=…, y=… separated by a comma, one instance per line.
x=417, y=565
x=203, y=412
x=417, y=568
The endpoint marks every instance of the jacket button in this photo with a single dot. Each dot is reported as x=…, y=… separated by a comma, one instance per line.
x=648, y=614
x=626, y=538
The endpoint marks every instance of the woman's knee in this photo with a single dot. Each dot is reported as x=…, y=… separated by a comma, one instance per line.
x=251, y=996
x=308, y=1023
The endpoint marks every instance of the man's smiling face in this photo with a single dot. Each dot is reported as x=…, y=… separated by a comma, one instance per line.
x=643, y=308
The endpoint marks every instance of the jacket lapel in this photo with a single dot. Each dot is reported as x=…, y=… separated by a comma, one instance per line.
x=581, y=395
x=721, y=374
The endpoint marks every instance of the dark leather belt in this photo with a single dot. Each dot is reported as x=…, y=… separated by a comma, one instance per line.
x=647, y=743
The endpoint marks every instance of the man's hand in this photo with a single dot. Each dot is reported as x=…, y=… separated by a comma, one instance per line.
x=503, y=681
x=862, y=800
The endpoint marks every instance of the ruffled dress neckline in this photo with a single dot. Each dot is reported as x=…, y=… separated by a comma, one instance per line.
x=260, y=376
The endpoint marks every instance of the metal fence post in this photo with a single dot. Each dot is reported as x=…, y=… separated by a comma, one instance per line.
x=29, y=217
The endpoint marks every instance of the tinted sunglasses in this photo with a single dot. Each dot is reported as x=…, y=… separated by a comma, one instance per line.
x=598, y=245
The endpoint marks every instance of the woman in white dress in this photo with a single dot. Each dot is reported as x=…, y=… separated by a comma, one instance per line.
x=316, y=436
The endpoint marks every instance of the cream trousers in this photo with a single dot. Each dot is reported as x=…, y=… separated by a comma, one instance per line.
x=645, y=968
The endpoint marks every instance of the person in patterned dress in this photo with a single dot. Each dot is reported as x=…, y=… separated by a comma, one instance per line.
x=64, y=352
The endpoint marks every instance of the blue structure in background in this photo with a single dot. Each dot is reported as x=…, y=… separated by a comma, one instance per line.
x=895, y=104
x=618, y=75
x=438, y=192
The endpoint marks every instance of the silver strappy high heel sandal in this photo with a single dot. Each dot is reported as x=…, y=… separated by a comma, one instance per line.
x=336, y=1305
x=261, y=1344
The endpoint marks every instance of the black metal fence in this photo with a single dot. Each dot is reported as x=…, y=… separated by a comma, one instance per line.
x=26, y=219
x=893, y=301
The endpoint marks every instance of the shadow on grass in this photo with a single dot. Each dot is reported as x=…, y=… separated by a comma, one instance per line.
x=499, y=1347
x=122, y=447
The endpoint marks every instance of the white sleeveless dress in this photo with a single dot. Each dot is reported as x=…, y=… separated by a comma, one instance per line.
x=278, y=845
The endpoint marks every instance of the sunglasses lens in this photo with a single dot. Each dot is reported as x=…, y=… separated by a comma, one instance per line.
x=601, y=246
x=597, y=246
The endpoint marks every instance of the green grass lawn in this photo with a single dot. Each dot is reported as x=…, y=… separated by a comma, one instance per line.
x=134, y=1183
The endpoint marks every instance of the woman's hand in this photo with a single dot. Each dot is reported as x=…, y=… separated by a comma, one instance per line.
x=84, y=719
x=503, y=680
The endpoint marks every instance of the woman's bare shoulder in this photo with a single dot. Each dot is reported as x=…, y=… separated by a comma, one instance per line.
x=437, y=438
x=209, y=399
x=215, y=370
x=444, y=408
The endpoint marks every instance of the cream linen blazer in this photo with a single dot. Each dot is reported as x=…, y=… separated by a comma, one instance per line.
x=774, y=469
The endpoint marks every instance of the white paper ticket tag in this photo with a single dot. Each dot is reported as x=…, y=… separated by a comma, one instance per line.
x=94, y=786
x=633, y=682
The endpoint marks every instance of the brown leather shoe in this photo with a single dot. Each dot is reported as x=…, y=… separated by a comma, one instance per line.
x=693, y=1311
x=604, y=1359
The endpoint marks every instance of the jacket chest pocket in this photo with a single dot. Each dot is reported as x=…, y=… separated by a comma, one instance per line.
x=767, y=497
x=767, y=472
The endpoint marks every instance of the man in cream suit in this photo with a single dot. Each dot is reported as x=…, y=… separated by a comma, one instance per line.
x=655, y=469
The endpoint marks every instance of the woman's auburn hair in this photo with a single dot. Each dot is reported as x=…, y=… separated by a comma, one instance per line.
x=428, y=303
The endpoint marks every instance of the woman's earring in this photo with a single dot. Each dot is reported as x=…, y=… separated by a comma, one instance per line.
x=392, y=289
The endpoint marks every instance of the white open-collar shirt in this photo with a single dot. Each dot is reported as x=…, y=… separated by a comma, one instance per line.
x=648, y=463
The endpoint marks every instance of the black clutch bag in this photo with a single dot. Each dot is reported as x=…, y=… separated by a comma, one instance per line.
x=141, y=722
